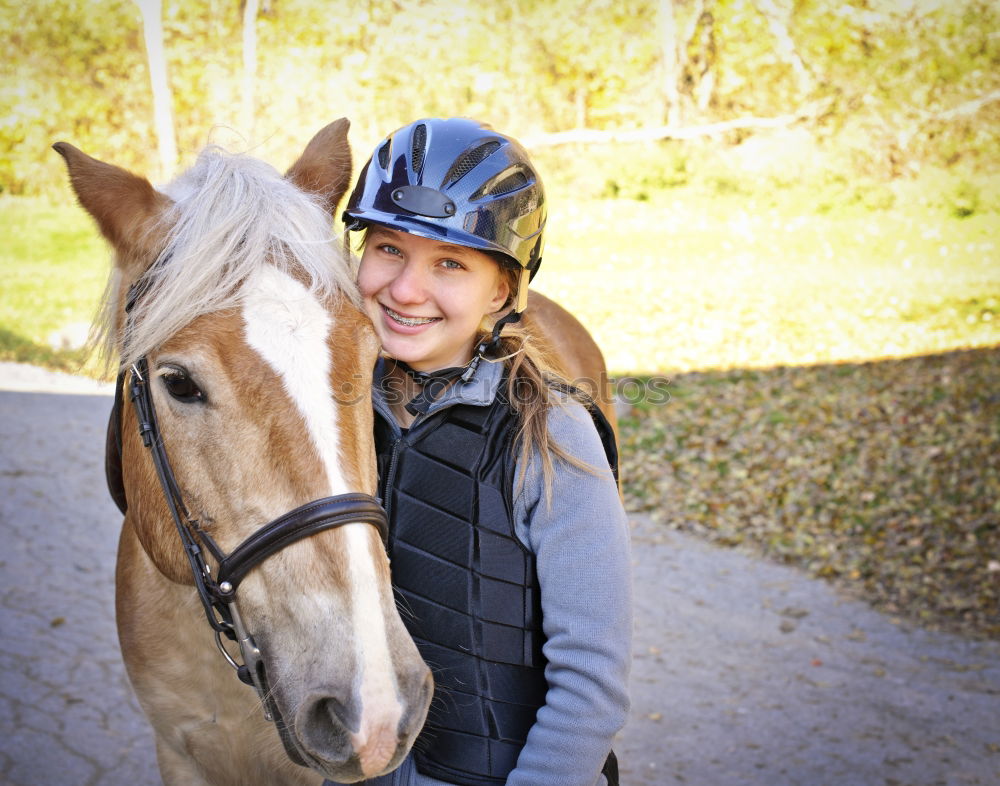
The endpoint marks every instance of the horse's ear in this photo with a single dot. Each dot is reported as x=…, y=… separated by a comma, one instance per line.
x=324, y=168
x=123, y=205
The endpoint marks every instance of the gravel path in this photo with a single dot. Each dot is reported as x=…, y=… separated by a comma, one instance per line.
x=746, y=672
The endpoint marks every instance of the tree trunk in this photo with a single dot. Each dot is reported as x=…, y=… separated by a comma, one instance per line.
x=777, y=22
x=249, y=105
x=669, y=64
x=704, y=87
x=163, y=115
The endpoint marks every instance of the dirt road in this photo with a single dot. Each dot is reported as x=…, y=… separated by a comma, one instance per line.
x=745, y=672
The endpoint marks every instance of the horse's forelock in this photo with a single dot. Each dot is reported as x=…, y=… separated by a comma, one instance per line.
x=231, y=214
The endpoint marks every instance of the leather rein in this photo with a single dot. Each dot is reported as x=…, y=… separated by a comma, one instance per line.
x=217, y=591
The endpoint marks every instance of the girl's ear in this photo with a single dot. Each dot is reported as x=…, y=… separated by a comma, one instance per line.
x=503, y=292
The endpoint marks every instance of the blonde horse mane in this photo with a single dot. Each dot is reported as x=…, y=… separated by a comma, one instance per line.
x=231, y=214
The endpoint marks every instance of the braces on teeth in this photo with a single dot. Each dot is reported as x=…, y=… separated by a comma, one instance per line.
x=407, y=320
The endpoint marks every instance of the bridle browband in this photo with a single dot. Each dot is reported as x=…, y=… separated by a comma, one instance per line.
x=218, y=592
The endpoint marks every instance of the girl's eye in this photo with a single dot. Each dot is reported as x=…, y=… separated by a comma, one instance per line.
x=388, y=249
x=181, y=387
x=452, y=264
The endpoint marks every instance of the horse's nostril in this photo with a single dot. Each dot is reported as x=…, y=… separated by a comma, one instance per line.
x=421, y=691
x=324, y=728
x=338, y=713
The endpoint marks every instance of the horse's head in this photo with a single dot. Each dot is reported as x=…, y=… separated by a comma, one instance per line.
x=259, y=361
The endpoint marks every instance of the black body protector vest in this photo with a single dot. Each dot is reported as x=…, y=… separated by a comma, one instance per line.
x=466, y=586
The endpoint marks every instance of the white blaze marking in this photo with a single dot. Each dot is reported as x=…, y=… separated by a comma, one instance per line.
x=289, y=328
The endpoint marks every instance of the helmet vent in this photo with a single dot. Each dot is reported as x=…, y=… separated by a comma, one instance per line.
x=468, y=161
x=383, y=154
x=419, y=145
x=510, y=183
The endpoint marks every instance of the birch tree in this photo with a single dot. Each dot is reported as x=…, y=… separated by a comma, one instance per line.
x=670, y=63
x=163, y=115
x=778, y=21
x=249, y=103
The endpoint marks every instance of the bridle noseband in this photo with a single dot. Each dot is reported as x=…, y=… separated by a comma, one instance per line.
x=218, y=592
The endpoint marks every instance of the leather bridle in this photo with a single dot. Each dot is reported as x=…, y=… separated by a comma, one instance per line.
x=217, y=591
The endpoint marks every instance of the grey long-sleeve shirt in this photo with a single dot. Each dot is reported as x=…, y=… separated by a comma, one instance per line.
x=581, y=544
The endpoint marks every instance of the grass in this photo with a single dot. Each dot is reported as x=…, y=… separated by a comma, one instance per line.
x=680, y=284
x=689, y=278
x=53, y=266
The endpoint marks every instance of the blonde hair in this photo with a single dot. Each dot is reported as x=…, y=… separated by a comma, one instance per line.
x=535, y=384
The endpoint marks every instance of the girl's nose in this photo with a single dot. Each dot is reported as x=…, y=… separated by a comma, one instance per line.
x=410, y=285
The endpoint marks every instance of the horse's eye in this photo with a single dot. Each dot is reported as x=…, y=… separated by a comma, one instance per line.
x=181, y=386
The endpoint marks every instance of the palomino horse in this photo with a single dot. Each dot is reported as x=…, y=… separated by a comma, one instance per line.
x=236, y=321
x=572, y=350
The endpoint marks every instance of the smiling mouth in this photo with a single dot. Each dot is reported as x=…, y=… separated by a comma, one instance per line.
x=408, y=321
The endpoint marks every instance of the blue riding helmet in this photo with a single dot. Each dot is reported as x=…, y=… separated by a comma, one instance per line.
x=459, y=181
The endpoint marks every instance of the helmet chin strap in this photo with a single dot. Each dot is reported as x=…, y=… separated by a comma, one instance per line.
x=510, y=318
x=434, y=383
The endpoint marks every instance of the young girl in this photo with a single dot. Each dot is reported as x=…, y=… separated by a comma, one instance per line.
x=509, y=545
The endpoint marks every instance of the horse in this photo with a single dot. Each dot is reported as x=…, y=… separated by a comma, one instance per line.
x=248, y=468
x=572, y=351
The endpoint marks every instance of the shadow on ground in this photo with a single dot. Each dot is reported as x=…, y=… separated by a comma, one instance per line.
x=883, y=475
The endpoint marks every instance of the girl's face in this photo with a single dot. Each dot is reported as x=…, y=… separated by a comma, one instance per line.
x=427, y=297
